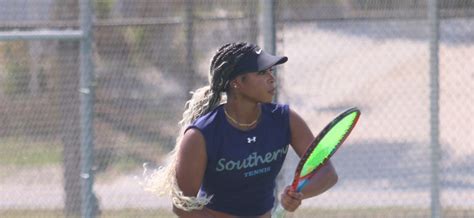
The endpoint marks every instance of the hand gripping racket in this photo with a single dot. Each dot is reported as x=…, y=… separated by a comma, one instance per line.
x=321, y=149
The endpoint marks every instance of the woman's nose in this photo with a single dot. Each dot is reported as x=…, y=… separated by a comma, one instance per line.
x=271, y=76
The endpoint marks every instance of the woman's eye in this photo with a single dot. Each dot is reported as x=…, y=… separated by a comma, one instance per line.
x=263, y=72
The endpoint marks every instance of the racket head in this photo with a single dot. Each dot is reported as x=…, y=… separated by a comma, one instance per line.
x=324, y=146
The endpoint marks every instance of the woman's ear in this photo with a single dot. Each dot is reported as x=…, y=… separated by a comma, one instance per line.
x=234, y=84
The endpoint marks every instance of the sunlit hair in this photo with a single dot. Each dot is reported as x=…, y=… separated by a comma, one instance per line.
x=162, y=181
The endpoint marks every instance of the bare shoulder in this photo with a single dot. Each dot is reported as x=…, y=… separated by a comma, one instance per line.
x=295, y=119
x=193, y=141
x=301, y=135
x=192, y=147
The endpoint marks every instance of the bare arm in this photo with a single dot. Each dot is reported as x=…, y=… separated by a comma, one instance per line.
x=190, y=168
x=301, y=137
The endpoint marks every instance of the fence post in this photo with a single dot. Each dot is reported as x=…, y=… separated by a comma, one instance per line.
x=268, y=30
x=89, y=203
x=189, y=25
x=433, y=16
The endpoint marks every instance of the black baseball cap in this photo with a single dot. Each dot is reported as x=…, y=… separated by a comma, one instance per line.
x=256, y=60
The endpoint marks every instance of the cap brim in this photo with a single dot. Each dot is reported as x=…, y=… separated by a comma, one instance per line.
x=266, y=61
x=255, y=61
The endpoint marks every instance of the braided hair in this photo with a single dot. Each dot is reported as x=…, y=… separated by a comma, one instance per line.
x=205, y=99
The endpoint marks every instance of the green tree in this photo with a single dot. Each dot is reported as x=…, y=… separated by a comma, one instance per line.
x=17, y=69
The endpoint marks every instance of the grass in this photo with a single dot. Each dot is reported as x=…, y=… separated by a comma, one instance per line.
x=385, y=212
x=126, y=213
x=303, y=212
x=23, y=152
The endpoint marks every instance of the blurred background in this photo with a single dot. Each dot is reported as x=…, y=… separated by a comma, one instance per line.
x=105, y=82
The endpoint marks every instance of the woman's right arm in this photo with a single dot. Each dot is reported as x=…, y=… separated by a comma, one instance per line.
x=190, y=168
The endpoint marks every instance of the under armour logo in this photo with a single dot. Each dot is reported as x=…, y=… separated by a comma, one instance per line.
x=258, y=51
x=252, y=140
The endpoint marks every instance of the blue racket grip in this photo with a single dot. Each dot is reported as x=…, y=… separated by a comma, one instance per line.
x=301, y=185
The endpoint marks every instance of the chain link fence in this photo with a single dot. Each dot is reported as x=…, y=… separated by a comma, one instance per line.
x=148, y=55
x=377, y=56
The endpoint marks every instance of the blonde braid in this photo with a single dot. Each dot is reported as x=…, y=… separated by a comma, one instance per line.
x=163, y=181
x=202, y=101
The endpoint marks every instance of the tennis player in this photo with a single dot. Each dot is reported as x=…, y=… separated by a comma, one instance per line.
x=230, y=151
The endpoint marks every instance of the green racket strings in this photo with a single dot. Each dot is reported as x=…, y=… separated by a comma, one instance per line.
x=328, y=143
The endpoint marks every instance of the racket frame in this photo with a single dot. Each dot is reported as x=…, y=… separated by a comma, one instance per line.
x=296, y=180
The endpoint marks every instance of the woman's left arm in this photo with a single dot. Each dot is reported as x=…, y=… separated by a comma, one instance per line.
x=301, y=137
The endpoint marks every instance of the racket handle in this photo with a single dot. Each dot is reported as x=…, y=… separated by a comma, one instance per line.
x=301, y=185
x=279, y=211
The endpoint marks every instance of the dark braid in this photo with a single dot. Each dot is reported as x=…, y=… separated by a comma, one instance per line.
x=223, y=63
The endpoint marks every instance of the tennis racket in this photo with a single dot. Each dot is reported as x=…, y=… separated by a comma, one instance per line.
x=324, y=146
x=321, y=149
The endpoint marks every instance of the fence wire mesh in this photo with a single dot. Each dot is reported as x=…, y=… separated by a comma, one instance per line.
x=148, y=55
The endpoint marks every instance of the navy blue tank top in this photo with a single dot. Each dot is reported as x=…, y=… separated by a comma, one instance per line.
x=242, y=165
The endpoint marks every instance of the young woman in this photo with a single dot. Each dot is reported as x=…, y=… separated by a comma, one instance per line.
x=230, y=150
